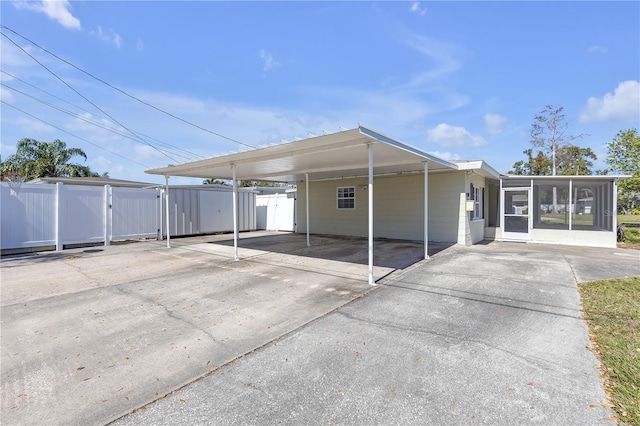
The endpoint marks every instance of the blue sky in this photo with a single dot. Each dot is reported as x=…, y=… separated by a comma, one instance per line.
x=462, y=80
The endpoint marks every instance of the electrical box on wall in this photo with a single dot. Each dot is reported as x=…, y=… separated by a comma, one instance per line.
x=470, y=205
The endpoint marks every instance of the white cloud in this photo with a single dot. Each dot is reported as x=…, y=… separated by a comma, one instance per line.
x=454, y=136
x=269, y=62
x=415, y=7
x=597, y=49
x=139, y=45
x=58, y=10
x=109, y=36
x=622, y=105
x=495, y=123
x=445, y=155
x=441, y=54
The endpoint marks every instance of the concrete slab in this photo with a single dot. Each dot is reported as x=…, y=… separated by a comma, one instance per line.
x=489, y=334
x=91, y=334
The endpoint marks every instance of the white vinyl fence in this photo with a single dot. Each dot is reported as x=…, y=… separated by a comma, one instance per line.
x=276, y=212
x=54, y=216
x=57, y=215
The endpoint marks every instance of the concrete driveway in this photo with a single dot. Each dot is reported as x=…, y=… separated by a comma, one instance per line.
x=484, y=334
x=490, y=334
x=88, y=335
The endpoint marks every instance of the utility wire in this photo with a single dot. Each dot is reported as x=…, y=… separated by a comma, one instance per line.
x=79, y=117
x=125, y=93
x=75, y=136
x=87, y=99
x=193, y=155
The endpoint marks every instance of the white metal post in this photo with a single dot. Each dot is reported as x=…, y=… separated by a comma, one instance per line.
x=306, y=196
x=426, y=210
x=370, y=149
x=168, y=209
x=107, y=215
x=571, y=203
x=501, y=208
x=614, y=205
x=235, y=212
x=59, y=216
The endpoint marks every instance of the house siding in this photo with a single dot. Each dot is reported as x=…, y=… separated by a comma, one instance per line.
x=398, y=207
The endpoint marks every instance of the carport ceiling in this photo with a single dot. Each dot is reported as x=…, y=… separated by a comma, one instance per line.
x=331, y=156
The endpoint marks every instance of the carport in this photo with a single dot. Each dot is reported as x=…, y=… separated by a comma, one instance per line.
x=359, y=152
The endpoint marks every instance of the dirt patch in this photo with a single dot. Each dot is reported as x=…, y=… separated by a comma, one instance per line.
x=633, y=246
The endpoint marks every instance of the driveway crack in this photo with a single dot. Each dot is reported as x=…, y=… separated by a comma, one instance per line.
x=170, y=313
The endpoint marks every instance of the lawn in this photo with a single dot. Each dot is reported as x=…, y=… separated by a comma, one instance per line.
x=612, y=311
x=629, y=218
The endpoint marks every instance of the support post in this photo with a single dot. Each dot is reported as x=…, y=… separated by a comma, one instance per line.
x=167, y=209
x=107, y=215
x=426, y=210
x=306, y=184
x=614, y=206
x=235, y=213
x=572, y=205
x=370, y=149
x=59, y=216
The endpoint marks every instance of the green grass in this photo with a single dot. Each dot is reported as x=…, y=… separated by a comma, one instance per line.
x=629, y=218
x=632, y=235
x=612, y=310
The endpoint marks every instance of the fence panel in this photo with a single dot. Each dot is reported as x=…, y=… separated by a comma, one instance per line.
x=83, y=213
x=28, y=216
x=276, y=212
x=134, y=213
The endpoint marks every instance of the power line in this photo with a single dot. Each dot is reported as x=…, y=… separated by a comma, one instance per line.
x=86, y=110
x=75, y=136
x=87, y=120
x=87, y=99
x=125, y=93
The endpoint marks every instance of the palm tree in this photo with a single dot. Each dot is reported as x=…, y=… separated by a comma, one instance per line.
x=34, y=159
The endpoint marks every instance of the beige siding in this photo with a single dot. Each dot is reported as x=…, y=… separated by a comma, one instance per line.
x=398, y=207
x=445, y=191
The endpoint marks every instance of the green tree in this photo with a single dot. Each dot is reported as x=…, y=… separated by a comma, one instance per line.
x=549, y=132
x=570, y=160
x=34, y=159
x=534, y=166
x=573, y=160
x=623, y=156
x=211, y=181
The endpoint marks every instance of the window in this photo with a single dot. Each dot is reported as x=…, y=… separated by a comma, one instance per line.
x=477, y=195
x=346, y=197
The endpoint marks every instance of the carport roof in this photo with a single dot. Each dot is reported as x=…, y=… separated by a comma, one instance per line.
x=330, y=156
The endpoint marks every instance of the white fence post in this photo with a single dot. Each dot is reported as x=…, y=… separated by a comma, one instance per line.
x=108, y=216
x=59, y=216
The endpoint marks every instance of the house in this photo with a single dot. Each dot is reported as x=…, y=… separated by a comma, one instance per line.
x=360, y=182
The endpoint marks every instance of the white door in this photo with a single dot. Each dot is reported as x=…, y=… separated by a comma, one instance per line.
x=516, y=219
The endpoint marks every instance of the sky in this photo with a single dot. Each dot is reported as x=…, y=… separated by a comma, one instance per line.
x=460, y=80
